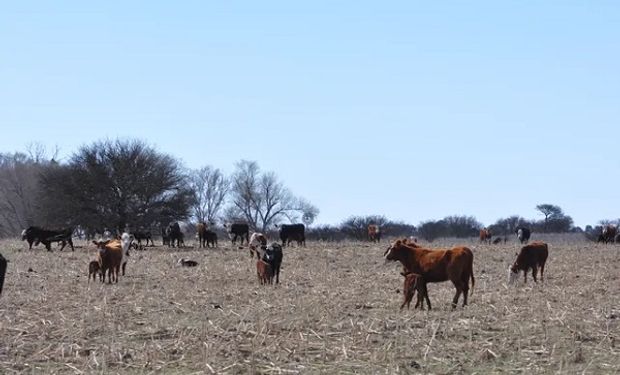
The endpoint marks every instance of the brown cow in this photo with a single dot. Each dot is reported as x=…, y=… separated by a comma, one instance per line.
x=485, y=235
x=456, y=265
x=531, y=256
x=413, y=283
x=110, y=258
x=374, y=233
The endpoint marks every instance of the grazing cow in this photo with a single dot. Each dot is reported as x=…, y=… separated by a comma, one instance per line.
x=187, y=262
x=497, y=240
x=523, y=234
x=238, y=230
x=257, y=240
x=139, y=236
x=456, y=265
x=273, y=255
x=93, y=270
x=374, y=233
x=46, y=237
x=174, y=234
x=413, y=283
x=293, y=232
x=609, y=233
x=264, y=272
x=3, y=263
x=485, y=235
x=110, y=258
x=531, y=256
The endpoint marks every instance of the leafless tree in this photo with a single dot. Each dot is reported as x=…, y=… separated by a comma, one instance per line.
x=262, y=200
x=19, y=189
x=210, y=188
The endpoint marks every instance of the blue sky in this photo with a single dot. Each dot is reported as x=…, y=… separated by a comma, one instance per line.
x=408, y=109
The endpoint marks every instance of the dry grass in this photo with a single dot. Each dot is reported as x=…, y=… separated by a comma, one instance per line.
x=336, y=311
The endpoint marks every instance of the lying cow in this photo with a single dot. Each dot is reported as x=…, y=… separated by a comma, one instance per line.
x=38, y=235
x=531, y=256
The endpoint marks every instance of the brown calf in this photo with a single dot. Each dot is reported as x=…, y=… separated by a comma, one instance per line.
x=531, y=256
x=456, y=265
x=110, y=258
x=413, y=283
x=264, y=272
x=93, y=270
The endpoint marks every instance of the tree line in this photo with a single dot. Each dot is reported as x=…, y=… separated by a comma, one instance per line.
x=119, y=184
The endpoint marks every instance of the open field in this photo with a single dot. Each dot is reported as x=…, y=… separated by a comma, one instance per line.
x=336, y=311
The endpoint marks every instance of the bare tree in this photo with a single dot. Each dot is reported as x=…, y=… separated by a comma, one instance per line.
x=262, y=200
x=210, y=189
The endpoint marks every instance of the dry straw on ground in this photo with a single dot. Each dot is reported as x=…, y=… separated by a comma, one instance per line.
x=336, y=311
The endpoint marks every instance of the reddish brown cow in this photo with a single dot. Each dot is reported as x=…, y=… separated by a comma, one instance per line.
x=456, y=265
x=413, y=283
x=374, y=233
x=485, y=235
x=110, y=258
x=531, y=256
x=264, y=272
x=93, y=270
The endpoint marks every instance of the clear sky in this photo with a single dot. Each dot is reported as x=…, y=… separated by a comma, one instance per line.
x=414, y=110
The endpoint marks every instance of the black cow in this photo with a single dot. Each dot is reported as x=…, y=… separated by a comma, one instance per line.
x=2, y=271
x=273, y=255
x=174, y=234
x=139, y=236
x=210, y=238
x=46, y=237
x=165, y=239
x=238, y=230
x=523, y=234
x=293, y=232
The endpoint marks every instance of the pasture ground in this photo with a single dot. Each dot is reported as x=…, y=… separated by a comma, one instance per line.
x=335, y=311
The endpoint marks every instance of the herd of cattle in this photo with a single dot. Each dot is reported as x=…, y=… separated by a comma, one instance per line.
x=420, y=265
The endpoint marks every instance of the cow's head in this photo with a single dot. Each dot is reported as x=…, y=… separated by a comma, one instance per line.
x=24, y=234
x=391, y=253
x=513, y=274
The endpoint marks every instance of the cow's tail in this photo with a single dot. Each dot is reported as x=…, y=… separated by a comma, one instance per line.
x=473, y=281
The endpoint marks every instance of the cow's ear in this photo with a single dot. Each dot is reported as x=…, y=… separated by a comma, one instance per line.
x=398, y=243
x=106, y=242
x=95, y=242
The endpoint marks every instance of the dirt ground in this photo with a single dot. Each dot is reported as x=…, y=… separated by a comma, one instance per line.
x=335, y=311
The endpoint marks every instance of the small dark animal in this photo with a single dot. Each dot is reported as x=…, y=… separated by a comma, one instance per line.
x=497, y=240
x=211, y=238
x=293, y=232
x=187, y=263
x=414, y=282
x=93, y=270
x=531, y=256
x=3, y=263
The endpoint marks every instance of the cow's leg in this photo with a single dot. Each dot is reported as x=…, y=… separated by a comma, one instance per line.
x=48, y=245
x=428, y=301
x=534, y=271
x=459, y=290
x=124, y=264
x=30, y=244
x=70, y=241
x=525, y=276
x=542, y=271
x=278, y=274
